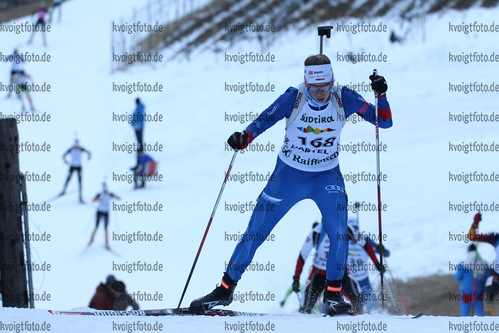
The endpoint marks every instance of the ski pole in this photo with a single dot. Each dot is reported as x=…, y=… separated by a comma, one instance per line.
x=474, y=275
x=89, y=224
x=299, y=298
x=375, y=72
x=290, y=290
x=356, y=205
x=117, y=223
x=397, y=288
x=392, y=299
x=208, y=226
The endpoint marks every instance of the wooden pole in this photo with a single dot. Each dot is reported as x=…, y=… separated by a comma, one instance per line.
x=12, y=262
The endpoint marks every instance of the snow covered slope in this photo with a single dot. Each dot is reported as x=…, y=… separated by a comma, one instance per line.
x=197, y=110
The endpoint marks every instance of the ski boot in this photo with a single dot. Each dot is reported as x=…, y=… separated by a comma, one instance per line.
x=221, y=295
x=92, y=238
x=107, y=241
x=334, y=304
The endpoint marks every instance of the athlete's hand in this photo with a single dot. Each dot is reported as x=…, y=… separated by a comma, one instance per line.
x=378, y=83
x=240, y=140
x=380, y=268
x=386, y=253
x=296, y=284
x=477, y=218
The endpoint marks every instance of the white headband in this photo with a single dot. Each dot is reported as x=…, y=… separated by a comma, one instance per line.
x=319, y=74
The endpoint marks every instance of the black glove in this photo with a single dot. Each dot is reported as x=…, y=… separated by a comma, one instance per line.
x=378, y=249
x=380, y=268
x=378, y=83
x=239, y=140
x=296, y=283
x=351, y=236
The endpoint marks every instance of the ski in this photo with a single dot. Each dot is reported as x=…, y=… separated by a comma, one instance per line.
x=58, y=196
x=84, y=250
x=411, y=317
x=181, y=312
x=160, y=312
x=112, y=251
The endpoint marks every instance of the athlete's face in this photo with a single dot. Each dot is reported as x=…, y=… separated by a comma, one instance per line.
x=320, y=95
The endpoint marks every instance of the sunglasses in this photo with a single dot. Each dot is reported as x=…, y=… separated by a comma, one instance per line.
x=321, y=88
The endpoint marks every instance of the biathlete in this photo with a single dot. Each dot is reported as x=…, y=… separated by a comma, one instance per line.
x=104, y=199
x=75, y=153
x=307, y=168
x=492, y=283
x=41, y=12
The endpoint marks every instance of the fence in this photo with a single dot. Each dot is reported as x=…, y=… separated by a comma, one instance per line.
x=165, y=13
x=6, y=4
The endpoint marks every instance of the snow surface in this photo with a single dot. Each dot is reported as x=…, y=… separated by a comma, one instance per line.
x=417, y=163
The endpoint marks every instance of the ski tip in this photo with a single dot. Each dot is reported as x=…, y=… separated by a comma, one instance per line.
x=112, y=251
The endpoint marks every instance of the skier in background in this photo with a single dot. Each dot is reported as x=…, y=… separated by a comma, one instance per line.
x=317, y=277
x=56, y=4
x=17, y=65
x=20, y=82
x=360, y=247
x=75, y=165
x=41, y=12
x=492, y=284
x=104, y=199
x=318, y=239
x=465, y=274
x=307, y=168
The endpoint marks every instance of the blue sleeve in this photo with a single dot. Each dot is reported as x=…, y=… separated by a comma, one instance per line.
x=375, y=245
x=282, y=107
x=353, y=102
x=459, y=273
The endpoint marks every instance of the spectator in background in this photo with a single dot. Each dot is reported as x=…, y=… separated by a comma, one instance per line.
x=465, y=274
x=112, y=296
x=146, y=167
x=104, y=295
x=122, y=299
x=138, y=122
